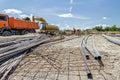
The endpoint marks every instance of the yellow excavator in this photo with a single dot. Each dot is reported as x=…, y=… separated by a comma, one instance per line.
x=45, y=28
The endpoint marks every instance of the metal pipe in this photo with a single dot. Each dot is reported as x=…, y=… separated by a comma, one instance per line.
x=93, y=54
x=95, y=50
x=111, y=39
x=118, y=35
x=89, y=75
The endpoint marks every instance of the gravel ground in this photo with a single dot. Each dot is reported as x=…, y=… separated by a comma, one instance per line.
x=62, y=57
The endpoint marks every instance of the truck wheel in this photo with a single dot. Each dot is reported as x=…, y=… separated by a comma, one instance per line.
x=17, y=33
x=25, y=32
x=6, y=33
x=32, y=31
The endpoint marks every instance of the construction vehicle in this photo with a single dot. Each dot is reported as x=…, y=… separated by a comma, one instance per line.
x=10, y=25
x=45, y=28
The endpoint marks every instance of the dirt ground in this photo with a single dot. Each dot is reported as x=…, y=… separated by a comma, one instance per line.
x=65, y=61
x=111, y=57
x=14, y=37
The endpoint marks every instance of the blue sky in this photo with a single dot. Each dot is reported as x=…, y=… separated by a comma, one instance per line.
x=66, y=13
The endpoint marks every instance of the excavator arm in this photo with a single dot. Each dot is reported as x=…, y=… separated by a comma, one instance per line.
x=39, y=19
x=45, y=28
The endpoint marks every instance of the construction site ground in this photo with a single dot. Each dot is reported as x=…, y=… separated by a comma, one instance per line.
x=63, y=61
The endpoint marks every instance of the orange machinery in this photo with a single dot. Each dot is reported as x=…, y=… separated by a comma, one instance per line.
x=9, y=26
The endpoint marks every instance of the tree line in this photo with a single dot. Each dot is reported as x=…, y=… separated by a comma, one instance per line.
x=107, y=28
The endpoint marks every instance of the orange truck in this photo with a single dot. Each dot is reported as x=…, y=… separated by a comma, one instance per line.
x=9, y=26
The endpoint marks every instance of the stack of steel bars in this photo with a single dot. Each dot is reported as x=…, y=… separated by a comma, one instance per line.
x=13, y=51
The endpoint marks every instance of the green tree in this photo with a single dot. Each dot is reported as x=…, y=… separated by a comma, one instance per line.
x=114, y=28
x=118, y=28
x=98, y=28
x=107, y=28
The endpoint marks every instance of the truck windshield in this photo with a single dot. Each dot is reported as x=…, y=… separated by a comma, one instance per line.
x=3, y=18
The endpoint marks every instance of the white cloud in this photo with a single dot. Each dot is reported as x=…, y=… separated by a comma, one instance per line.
x=67, y=26
x=81, y=17
x=52, y=11
x=103, y=25
x=70, y=9
x=69, y=15
x=24, y=15
x=58, y=24
x=12, y=11
x=87, y=27
x=16, y=13
x=104, y=18
x=52, y=24
x=71, y=1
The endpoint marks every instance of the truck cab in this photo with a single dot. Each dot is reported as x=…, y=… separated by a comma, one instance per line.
x=3, y=21
x=4, y=25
